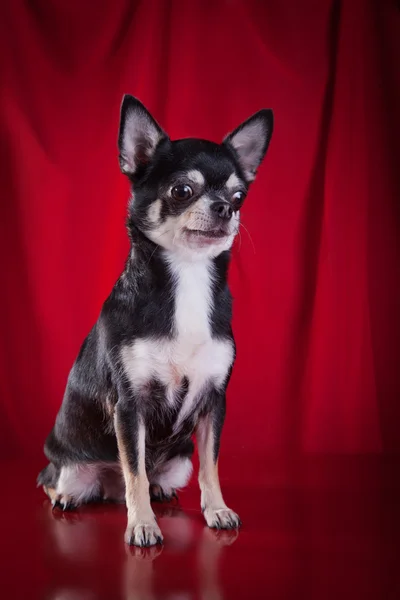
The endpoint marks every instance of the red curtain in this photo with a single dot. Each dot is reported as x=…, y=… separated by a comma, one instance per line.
x=316, y=270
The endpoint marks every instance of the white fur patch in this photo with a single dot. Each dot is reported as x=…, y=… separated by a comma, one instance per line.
x=196, y=177
x=232, y=182
x=175, y=474
x=192, y=353
x=80, y=482
x=154, y=211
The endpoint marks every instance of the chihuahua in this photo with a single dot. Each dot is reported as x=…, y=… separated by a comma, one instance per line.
x=154, y=369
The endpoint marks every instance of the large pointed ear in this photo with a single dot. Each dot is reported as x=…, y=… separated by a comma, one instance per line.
x=139, y=135
x=250, y=141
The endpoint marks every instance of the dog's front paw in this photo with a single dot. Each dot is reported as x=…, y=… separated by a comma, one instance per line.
x=222, y=518
x=143, y=534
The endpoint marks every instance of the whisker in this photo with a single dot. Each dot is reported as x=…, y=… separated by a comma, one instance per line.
x=152, y=254
x=238, y=232
x=251, y=239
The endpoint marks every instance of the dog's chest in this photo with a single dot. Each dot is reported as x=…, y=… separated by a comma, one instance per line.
x=192, y=352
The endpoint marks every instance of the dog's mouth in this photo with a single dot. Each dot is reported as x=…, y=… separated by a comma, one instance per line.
x=206, y=234
x=203, y=238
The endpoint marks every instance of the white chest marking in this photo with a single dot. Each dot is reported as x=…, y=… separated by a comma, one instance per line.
x=192, y=352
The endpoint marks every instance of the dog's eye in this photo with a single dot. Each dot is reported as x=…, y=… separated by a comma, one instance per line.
x=182, y=192
x=238, y=197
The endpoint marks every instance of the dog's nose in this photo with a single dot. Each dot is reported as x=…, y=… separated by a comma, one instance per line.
x=222, y=209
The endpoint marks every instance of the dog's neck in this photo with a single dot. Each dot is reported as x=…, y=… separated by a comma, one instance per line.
x=164, y=291
x=145, y=254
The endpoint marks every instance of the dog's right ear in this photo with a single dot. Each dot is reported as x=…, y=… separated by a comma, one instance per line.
x=139, y=135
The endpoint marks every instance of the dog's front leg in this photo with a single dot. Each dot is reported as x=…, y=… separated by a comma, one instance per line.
x=142, y=528
x=208, y=433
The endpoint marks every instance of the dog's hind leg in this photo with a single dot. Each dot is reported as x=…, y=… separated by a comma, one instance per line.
x=71, y=485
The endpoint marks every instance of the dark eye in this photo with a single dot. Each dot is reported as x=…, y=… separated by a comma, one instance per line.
x=238, y=197
x=182, y=192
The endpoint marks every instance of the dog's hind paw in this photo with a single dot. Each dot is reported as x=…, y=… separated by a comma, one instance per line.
x=61, y=501
x=158, y=494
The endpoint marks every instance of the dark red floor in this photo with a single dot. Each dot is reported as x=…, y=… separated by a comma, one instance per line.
x=316, y=528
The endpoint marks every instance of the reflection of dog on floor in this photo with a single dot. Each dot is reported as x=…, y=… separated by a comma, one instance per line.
x=155, y=367
x=140, y=569
x=76, y=544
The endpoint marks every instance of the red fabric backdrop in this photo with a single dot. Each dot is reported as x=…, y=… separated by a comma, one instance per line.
x=316, y=278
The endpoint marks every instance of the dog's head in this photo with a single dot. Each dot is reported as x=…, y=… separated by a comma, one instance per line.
x=187, y=193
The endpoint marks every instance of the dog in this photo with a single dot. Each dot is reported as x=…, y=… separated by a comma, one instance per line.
x=154, y=369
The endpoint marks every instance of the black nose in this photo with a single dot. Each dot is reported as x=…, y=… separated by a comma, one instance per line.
x=222, y=209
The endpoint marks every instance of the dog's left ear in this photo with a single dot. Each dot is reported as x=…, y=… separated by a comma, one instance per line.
x=139, y=135
x=250, y=141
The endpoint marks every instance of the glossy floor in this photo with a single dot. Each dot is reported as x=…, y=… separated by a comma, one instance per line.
x=316, y=528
